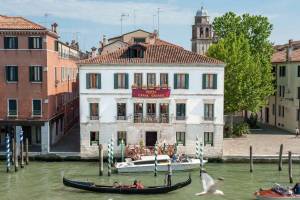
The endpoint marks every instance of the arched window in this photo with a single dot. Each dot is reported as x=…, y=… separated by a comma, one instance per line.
x=201, y=32
x=207, y=32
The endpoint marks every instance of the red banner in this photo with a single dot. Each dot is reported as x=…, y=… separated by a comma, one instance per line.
x=151, y=93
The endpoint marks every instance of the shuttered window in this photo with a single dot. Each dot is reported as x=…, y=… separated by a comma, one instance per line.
x=35, y=42
x=209, y=112
x=10, y=43
x=122, y=136
x=151, y=79
x=208, y=138
x=12, y=107
x=11, y=73
x=36, y=107
x=180, y=111
x=35, y=73
x=164, y=80
x=138, y=80
x=94, y=111
x=181, y=81
x=209, y=81
x=93, y=81
x=121, y=81
x=180, y=138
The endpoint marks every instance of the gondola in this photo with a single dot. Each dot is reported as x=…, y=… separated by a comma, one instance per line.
x=90, y=186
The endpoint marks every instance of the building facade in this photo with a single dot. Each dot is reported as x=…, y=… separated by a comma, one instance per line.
x=39, y=83
x=283, y=107
x=151, y=92
x=202, y=33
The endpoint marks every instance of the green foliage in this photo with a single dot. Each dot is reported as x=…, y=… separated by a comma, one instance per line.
x=252, y=121
x=240, y=129
x=244, y=46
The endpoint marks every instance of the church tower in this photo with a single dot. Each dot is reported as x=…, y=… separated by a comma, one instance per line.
x=202, y=35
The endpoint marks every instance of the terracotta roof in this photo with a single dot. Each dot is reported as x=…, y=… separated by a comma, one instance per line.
x=127, y=34
x=18, y=23
x=280, y=56
x=153, y=54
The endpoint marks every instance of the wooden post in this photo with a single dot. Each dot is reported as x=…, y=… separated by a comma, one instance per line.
x=21, y=149
x=251, y=160
x=16, y=156
x=26, y=149
x=280, y=158
x=100, y=160
x=290, y=167
x=13, y=151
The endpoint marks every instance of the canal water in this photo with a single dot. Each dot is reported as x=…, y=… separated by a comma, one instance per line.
x=43, y=181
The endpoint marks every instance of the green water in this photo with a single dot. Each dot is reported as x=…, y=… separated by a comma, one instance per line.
x=43, y=180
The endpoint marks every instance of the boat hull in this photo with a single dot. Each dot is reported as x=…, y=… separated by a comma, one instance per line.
x=271, y=195
x=89, y=186
x=126, y=168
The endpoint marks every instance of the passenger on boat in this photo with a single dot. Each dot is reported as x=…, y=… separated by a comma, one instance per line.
x=139, y=185
x=116, y=184
x=134, y=185
x=296, y=188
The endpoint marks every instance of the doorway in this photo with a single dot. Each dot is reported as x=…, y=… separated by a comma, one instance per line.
x=267, y=115
x=151, y=138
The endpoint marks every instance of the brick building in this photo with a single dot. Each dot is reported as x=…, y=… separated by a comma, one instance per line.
x=38, y=86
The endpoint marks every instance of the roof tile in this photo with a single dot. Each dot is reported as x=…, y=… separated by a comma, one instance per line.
x=18, y=23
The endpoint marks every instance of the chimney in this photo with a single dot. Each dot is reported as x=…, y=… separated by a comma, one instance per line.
x=94, y=52
x=54, y=27
x=289, y=51
x=104, y=41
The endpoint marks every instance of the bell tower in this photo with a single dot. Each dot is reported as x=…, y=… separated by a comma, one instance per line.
x=202, y=34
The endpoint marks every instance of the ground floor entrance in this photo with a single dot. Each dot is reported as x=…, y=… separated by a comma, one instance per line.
x=151, y=138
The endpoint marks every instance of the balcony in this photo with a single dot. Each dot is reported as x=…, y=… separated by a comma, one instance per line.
x=151, y=118
x=151, y=91
x=180, y=118
x=121, y=118
x=209, y=118
x=94, y=118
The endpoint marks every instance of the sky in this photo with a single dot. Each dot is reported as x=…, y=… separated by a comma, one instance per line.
x=88, y=20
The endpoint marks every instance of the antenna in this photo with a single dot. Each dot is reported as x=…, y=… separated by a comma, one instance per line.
x=123, y=15
x=153, y=22
x=46, y=15
x=134, y=18
x=158, y=12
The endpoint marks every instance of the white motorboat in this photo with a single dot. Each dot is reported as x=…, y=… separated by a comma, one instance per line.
x=146, y=164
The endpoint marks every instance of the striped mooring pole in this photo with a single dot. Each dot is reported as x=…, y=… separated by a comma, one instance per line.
x=197, y=148
x=112, y=151
x=201, y=157
x=155, y=159
x=175, y=148
x=108, y=159
x=7, y=153
x=22, y=148
x=122, y=150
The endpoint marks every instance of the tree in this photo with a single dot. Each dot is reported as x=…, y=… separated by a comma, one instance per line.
x=244, y=89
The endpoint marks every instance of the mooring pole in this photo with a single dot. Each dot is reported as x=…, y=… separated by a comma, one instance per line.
x=280, y=158
x=169, y=174
x=100, y=160
x=112, y=152
x=16, y=156
x=201, y=155
x=26, y=149
x=251, y=160
x=155, y=159
x=7, y=153
x=13, y=151
x=290, y=167
x=21, y=149
x=122, y=150
x=108, y=159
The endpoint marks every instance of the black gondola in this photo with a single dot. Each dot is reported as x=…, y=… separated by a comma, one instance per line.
x=90, y=186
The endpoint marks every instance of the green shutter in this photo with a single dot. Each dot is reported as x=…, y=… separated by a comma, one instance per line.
x=183, y=109
x=5, y=42
x=186, y=84
x=30, y=43
x=88, y=81
x=41, y=73
x=41, y=44
x=126, y=81
x=175, y=81
x=31, y=73
x=116, y=81
x=99, y=81
x=203, y=81
x=16, y=43
x=7, y=73
x=16, y=78
x=215, y=81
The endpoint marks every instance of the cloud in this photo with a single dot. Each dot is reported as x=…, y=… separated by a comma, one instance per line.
x=101, y=12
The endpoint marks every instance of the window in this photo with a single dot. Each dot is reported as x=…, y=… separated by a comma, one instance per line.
x=181, y=81
x=151, y=112
x=281, y=91
x=121, y=81
x=298, y=114
x=38, y=134
x=10, y=42
x=35, y=73
x=93, y=81
x=298, y=71
x=11, y=73
x=151, y=79
x=273, y=109
x=281, y=111
x=138, y=80
x=180, y=111
x=35, y=42
x=36, y=107
x=136, y=51
x=180, y=138
x=94, y=111
x=164, y=80
x=12, y=107
x=209, y=112
x=282, y=71
x=209, y=81
x=208, y=138
x=139, y=40
x=298, y=92
x=94, y=138
x=121, y=136
x=121, y=111
x=138, y=112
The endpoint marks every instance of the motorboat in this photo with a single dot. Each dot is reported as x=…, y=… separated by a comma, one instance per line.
x=146, y=164
x=277, y=192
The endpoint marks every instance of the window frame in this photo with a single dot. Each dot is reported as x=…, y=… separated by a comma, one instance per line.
x=151, y=77
x=93, y=117
x=138, y=79
x=32, y=108
x=91, y=83
x=179, y=135
x=16, y=45
x=40, y=70
x=120, y=136
x=95, y=142
x=210, y=81
x=164, y=76
x=181, y=117
x=17, y=107
x=209, y=109
x=17, y=72
x=32, y=44
x=208, y=138
x=121, y=117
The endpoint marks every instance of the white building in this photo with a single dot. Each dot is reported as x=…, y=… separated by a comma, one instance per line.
x=151, y=92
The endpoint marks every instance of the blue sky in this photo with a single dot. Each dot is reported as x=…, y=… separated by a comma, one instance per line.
x=89, y=20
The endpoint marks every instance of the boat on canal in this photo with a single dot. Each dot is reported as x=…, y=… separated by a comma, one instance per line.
x=123, y=189
x=277, y=192
x=146, y=164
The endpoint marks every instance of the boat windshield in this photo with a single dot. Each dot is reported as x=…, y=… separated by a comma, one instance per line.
x=148, y=162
